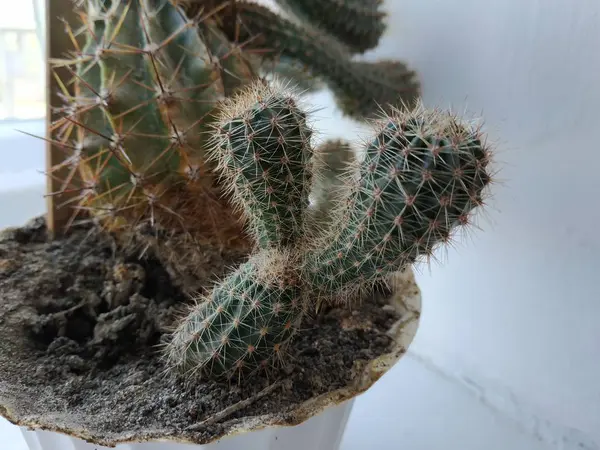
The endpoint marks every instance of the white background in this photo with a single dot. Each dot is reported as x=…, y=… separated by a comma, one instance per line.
x=508, y=353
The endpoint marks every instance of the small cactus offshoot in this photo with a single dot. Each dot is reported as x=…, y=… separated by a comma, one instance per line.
x=245, y=322
x=262, y=148
x=423, y=175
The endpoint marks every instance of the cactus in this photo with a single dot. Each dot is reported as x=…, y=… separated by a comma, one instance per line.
x=169, y=115
x=147, y=86
x=149, y=83
x=424, y=173
x=246, y=321
x=358, y=24
x=361, y=89
x=262, y=148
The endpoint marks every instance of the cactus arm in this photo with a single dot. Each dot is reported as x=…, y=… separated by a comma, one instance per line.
x=262, y=145
x=245, y=323
x=358, y=24
x=361, y=88
x=423, y=175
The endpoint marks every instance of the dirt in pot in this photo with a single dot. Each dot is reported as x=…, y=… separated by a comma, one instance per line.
x=81, y=325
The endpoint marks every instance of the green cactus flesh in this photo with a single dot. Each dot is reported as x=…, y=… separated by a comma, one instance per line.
x=361, y=89
x=245, y=323
x=262, y=145
x=358, y=24
x=422, y=176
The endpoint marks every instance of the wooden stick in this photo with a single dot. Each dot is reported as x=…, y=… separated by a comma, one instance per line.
x=57, y=44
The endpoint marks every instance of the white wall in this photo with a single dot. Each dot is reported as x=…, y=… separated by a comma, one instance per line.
x=22, y=179
x=513, y=313
x=516, y=309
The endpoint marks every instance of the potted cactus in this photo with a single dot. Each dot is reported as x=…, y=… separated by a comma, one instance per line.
x=223, y=275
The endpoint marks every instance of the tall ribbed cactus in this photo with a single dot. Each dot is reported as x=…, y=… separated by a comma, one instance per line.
x=423, y=175
x=147, y=87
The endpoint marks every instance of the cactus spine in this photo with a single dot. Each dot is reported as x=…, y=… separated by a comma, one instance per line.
x=423, y=175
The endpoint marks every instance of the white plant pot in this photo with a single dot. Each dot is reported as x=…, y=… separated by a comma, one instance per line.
x=316, y=424
x=321, y=432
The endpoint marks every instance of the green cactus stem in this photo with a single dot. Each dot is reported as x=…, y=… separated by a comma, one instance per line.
x=143, y=50
x=358, y=24
x=245, y=324
x=423, y=175
x=262, y=145
x=147, y=88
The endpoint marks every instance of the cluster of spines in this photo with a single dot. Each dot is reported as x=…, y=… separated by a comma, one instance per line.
x=423, y=174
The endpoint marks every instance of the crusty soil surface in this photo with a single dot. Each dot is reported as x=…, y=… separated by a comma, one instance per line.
x=81, y=328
